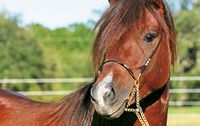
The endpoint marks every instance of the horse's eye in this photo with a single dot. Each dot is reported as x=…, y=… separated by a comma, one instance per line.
x=149, y=37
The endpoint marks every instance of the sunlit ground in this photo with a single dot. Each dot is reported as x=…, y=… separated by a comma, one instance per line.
x=184, y=116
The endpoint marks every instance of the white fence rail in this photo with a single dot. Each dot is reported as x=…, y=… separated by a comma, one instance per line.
x=49, y=80
x=185, y=78
x=78, y=80
x=4, y=82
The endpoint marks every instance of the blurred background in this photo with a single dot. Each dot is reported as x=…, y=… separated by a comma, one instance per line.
x=45, y=51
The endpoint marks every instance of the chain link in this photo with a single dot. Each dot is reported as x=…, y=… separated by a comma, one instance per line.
x=138, y=111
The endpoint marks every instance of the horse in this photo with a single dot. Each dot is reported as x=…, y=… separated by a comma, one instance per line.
x=132, y=54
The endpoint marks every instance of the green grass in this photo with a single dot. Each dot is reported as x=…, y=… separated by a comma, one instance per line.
x=184, y=116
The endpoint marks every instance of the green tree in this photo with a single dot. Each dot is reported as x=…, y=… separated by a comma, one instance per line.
x=20, y=55
x=187, y=23
x=66, y=49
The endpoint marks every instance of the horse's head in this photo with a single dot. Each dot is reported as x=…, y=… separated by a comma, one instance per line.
x=135, y=37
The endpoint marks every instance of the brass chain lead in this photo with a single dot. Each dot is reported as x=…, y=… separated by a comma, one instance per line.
x=138, y=111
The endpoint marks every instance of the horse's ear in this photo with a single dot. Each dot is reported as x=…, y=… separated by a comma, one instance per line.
x=158, y=4
x=112, y=1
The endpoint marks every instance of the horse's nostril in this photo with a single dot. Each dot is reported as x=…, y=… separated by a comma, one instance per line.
x=110, y=95
x=103, y=95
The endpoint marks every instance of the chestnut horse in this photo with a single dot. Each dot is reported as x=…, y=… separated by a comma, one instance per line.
x=132, y=53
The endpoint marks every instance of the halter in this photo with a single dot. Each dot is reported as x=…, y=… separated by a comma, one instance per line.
x=136, y=87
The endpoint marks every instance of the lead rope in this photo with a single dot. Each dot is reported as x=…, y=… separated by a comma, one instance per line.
x=138, y=111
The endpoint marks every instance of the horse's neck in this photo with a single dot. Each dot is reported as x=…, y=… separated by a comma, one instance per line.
x=156, y=107
x=157, y=112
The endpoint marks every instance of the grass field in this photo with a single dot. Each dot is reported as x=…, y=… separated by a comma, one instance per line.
x=184, y=116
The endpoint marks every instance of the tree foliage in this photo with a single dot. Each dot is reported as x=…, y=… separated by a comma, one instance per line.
x=20, y=54
x=187, y=22
x=66, y=49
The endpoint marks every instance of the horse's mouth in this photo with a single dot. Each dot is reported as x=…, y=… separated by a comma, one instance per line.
x=117, y=113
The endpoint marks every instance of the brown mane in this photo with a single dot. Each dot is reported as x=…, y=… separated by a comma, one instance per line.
x=118, y=19
x=74, y=110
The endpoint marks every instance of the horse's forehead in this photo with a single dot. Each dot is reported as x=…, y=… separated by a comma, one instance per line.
x=150, y=20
